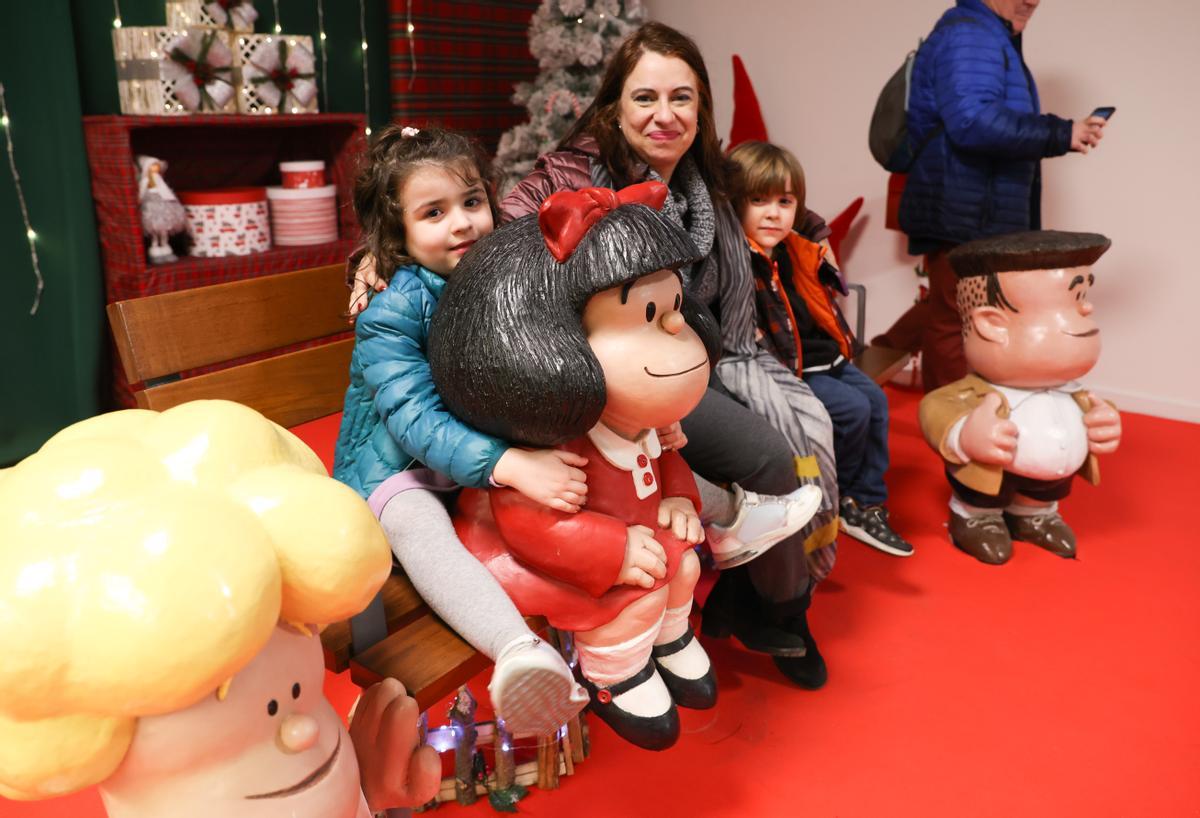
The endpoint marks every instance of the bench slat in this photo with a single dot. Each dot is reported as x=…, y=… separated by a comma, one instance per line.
x=227, y=321
x=289, y=389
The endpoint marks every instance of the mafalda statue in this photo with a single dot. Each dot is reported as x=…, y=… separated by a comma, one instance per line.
x=1016, y=431
x=571, y=328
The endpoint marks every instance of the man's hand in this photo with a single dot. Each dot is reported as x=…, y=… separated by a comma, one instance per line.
x=394, y=771
x=1103, y=424
x=645, y=560
x=679, y=515
x=1087, y=134
x=987, y=438
x=366, y=282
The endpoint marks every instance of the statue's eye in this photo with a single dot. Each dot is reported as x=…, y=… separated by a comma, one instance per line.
x=272, y=707
x=678, y=300
x=296, y=690
x=650, y=308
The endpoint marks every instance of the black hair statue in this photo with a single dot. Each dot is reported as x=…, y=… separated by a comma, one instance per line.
x=507, y=347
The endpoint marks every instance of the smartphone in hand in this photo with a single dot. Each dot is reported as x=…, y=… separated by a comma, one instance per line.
x=1105, y=112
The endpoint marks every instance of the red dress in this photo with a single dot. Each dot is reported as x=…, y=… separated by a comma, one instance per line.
x=564, y=566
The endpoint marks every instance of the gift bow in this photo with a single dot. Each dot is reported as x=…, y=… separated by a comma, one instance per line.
x=567, y=216
x=278, y=71
x=205, y=63
x=232, y=13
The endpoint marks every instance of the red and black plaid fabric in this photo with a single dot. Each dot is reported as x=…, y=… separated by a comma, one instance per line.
x=469, y=56
x=206, y=152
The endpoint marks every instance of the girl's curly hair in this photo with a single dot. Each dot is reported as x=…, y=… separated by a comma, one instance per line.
x=391, y=158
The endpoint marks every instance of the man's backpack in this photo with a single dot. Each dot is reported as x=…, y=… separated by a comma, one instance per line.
x=888, y=134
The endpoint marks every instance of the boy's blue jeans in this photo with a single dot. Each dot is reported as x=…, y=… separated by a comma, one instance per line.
x=859, y=411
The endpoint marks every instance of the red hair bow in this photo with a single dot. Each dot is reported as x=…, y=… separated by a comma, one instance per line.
x=566, y=216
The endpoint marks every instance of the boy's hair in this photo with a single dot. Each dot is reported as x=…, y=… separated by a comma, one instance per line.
x=391, y=158
x=507, y=347
x=763, y=169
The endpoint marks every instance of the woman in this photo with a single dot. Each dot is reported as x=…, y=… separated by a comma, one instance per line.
x=652, y=118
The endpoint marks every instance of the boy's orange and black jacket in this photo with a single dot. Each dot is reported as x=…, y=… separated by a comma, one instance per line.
x=799, y=318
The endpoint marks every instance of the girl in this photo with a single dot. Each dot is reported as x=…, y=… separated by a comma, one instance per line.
x=423, y=200
x=579, y=334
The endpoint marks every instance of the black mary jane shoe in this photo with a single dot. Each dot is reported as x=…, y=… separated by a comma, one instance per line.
x=733, y=608
x=648, y=732
x=695, y=694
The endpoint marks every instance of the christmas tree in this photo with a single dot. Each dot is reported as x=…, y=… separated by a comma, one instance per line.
x=572, y=41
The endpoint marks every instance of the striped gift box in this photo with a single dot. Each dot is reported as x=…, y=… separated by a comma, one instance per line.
x=303, y=215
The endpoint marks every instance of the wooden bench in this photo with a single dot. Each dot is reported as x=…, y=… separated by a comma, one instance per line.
x=163, y=340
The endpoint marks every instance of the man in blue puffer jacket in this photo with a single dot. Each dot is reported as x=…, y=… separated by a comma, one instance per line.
x=974, y=110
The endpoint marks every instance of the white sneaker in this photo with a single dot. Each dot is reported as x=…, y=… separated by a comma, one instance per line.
x=761, y=521
x=532, y=688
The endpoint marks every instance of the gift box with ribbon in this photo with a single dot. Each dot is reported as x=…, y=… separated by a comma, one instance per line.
x=229, y=222
x=231, y=15
x=277, y=74
x=168, y=72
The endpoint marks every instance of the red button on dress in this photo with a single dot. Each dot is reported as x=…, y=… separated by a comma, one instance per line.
x=648, y=479
x=603, y=696
x=642, y=461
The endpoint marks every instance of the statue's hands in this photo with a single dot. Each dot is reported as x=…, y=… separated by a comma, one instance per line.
x=679, y=515
x=1103, y=424
x=987, y=438
x=366, y=282
x=394, y=770
x=645, y=560
x=672, y=437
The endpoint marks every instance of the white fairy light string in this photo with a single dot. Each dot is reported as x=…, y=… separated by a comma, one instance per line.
x=278, y=27
x=324, y=61
x=410, y=29
x=362, y=29
x=116, y=14
x=30, y=235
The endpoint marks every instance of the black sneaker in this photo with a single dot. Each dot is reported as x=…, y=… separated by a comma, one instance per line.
x=869, y=524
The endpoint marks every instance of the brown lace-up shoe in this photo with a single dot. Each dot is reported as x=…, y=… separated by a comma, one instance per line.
x=1047, y=531
x=984, y=537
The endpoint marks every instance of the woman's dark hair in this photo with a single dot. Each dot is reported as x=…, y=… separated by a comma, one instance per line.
x=601, y=117
x=507, y=346
x=387, y=164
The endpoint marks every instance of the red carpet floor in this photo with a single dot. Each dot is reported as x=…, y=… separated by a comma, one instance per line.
x=1044, y=687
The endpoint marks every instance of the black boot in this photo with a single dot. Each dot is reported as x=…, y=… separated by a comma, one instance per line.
x=735, y=608
x=807, y=671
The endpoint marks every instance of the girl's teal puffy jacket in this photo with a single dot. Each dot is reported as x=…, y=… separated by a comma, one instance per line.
x=393, y=418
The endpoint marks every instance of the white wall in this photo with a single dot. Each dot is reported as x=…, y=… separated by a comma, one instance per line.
x=818, y=67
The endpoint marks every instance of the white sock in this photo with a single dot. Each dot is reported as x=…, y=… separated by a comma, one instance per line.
x=609, y=664
x=967, y=510
x=1031, y=511
x=691, y=662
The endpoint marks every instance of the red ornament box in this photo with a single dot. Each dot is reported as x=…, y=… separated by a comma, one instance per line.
x=204, y=153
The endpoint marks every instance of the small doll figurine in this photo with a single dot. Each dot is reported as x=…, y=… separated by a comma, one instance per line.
x=158, y=579
x=1016, y=431
x=571, y=329
x=162, y=214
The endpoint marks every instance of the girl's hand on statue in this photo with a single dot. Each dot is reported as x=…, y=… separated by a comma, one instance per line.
x=986, y=437
x=671, y=438
x=366, y=282
x=645, y=560
x=394, y=771
x=1103, y=424
x=551, y=477
x=679, y=515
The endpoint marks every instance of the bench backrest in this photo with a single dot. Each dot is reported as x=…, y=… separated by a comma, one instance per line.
x=161, y=336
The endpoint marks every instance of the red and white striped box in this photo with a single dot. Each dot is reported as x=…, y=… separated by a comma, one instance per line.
x=228, y=222
x=303, y=215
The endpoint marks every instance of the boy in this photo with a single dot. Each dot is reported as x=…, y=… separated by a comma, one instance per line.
x=800, y=324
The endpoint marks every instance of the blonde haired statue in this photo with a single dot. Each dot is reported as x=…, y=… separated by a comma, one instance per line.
x=160, y=577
